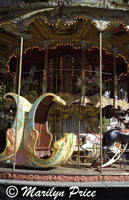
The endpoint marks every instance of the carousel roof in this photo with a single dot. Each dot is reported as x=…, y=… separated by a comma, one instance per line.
x=114, y=4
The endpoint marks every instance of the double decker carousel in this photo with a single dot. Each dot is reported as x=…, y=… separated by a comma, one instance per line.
x=64, y=86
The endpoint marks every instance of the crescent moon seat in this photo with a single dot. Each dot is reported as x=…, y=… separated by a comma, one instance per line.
x=38, y=139
x=10, y=132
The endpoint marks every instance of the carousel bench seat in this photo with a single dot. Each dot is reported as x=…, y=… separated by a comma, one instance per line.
x=44, y=140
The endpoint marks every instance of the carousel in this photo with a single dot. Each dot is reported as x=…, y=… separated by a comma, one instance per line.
x=64, y=89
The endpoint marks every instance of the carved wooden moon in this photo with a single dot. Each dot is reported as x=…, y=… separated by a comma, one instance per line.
x=24, y=106
x=62, y=148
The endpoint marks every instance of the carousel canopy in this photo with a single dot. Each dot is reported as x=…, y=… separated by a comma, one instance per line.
x=63, y=22
x=65, y=28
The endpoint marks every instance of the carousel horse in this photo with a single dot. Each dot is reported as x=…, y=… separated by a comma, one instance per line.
x=114, y=139
x=90, y=141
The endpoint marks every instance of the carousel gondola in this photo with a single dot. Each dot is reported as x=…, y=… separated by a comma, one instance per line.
x=37, y=138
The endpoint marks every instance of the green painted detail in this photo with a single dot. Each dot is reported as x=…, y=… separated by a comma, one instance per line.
x=71, y=140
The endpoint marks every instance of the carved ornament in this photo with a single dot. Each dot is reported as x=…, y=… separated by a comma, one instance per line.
x=101, y=25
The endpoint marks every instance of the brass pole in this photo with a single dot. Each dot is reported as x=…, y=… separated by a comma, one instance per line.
x=78, y=142
x=45, y=68
x=128, y=81
x=115, y=81
x=56, y=83
x=61, y=84
x=71, y=84
x=19, y=89
x=17, y=65
x=100, y=59
x=51, y=82
x=66, y=85
x=83, y=87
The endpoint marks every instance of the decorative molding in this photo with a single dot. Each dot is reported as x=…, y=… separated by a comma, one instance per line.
x=21, y=25
x=65, y=178
x=101, y=25
x=93, y=3
x=119, y=4
x=60, y=2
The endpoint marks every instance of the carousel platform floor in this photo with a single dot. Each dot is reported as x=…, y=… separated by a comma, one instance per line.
x=69, y=169
x=70, y=173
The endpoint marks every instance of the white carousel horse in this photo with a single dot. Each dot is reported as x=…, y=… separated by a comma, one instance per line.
x=92, y=140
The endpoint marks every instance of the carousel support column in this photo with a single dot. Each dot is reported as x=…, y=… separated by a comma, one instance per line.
x=51, y=83
x=128, y=81
x=19, y=89
x=78, y=162
x=72, y=75
x=15, y=75
x=45, y=68
x=56, y=83
x=115, y=81
x=100, y=73
x=51, y=74
x=17, y=72
x=83, y=88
